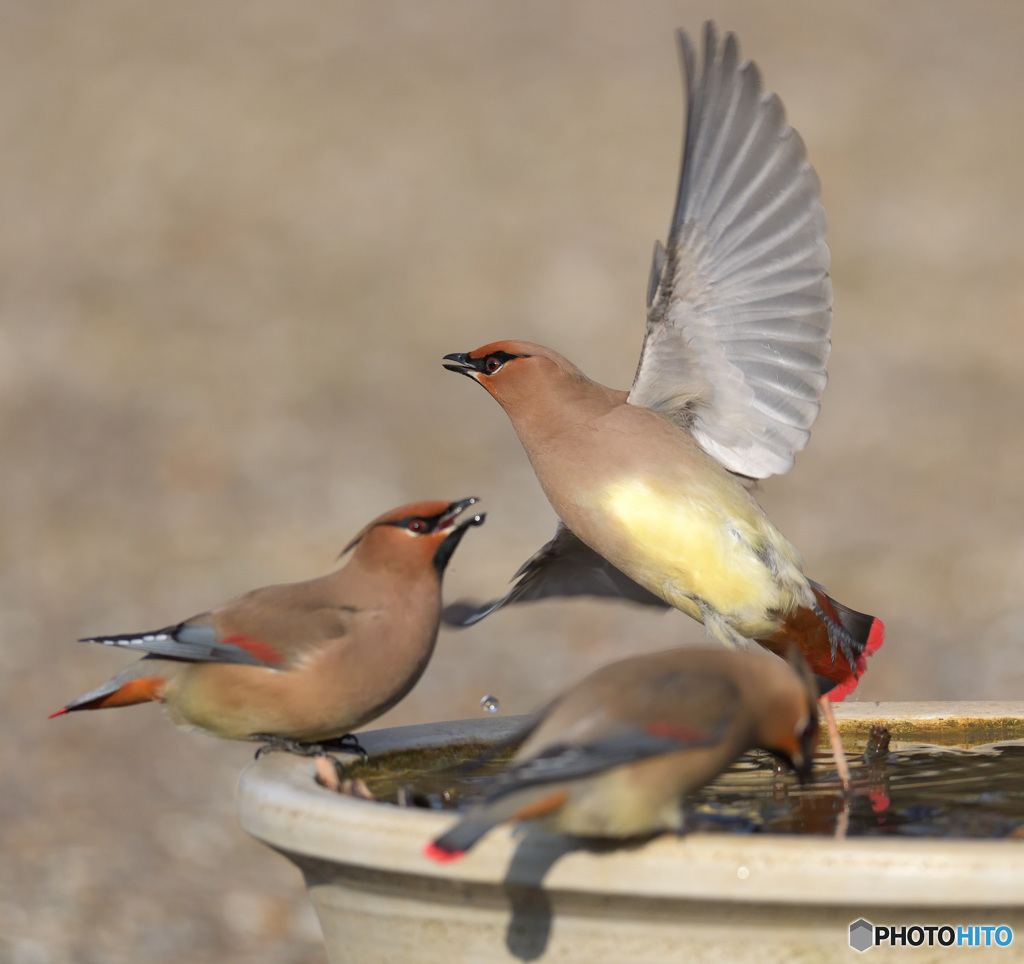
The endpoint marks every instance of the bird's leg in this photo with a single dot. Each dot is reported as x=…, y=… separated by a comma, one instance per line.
x=839, y=639
x=835, y=741
x=718, y=626
x=272, y=742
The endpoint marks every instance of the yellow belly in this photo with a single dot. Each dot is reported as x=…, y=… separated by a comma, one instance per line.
x=694, y=545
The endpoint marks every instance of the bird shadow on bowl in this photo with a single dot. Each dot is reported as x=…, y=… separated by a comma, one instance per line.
x=531, y=905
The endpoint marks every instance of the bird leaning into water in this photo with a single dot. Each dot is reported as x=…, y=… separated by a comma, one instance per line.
x=652, y=487
x=615, y=755
x=296, y=664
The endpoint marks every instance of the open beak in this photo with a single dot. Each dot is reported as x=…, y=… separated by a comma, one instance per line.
x=453, y=531
x=460, y=362
x=446, y=521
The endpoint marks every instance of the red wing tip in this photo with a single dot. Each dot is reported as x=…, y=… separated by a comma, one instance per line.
x=255, y=647
x=440, y=855
x=673, y=731
x=59, y=712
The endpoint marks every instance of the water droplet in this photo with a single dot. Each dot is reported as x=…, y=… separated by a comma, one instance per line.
x=489, y=704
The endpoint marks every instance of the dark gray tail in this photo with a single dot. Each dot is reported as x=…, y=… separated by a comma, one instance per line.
x=453, y=844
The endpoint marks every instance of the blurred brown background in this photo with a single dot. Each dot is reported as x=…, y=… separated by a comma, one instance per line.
x=236, y=239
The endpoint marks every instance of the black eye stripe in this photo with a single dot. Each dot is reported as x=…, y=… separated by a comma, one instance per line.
x=410, y=520
x=484, y=366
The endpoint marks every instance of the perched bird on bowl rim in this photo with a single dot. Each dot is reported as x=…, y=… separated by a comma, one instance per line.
x=653, y=487
x=615, y=755
x=309, y=661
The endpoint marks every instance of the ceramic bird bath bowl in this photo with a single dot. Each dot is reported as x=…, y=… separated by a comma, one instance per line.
x=705, y=896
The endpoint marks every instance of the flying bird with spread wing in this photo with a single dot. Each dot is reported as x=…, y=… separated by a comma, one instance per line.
x=653, y=487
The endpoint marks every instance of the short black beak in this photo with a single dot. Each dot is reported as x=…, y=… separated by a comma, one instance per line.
x=460, y=362
x=450, y=514
x=455, y=531
x=473, y=520
x=804, y=767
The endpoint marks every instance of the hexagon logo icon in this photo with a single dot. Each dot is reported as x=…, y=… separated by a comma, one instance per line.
x=862, y=935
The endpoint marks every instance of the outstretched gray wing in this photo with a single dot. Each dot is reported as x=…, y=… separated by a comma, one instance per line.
x=740, y=303
x=565, y=566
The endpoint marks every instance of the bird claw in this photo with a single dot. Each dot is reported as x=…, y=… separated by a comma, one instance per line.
x=272, y=744
x=347, y=743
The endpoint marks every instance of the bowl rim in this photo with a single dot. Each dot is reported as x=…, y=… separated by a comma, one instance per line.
x=280, y=803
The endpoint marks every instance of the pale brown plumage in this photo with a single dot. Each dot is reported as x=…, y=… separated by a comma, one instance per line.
x=307, y=661
x=615, y=755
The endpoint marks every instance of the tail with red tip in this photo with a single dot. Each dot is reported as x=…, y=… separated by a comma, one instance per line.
x=866, y=632
x=835, y=640
x=117, y=692
x=437, y=853
x=520, y=794
x=453, y=844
